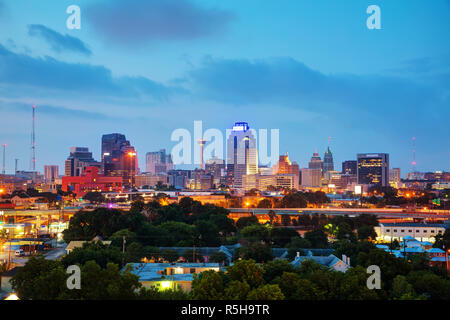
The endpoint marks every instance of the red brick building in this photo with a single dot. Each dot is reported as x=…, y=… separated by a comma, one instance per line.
x=91, y=180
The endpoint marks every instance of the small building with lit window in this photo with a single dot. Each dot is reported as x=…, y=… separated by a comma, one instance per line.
x=387, y=232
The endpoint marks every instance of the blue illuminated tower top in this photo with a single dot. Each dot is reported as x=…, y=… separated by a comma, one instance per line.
x=241, y=126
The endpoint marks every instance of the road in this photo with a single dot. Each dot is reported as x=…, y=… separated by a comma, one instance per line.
x=51, y=254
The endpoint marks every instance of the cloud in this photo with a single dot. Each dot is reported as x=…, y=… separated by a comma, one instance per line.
x=53, y=75
x=57, y=41
x=141, y=21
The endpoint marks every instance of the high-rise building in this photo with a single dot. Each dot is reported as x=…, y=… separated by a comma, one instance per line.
x=242, y=154
x=119, y=158
x=316, y=162
x=215, y=167
x=349, y=167
x=79, y=159
x=373, y=169
x=328, y=164
x=394, y=177
x=311, y=177
x=158, y=162
x=285, y=166
x=51, y=173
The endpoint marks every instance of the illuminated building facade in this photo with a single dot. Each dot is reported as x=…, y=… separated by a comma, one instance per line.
x=285, y=166
x=119, y=158
x=316, y=162
x=51, y=173
x=328, y=164
x=91, y=180
x=158, y=162
x=373, y=169
x=242, y=154
x=79, y=159
x=311, y=178
x=350, y=167
x=394, y=177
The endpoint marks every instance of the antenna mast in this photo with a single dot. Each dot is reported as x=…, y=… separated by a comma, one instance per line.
x=4, y=164
x=33, y=143
x=413, y=163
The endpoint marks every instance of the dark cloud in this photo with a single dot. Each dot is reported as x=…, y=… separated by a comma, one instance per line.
x=57, y=41
x=51, y=74
x=140, y=21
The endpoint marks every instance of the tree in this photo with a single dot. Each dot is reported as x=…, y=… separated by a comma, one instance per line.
x=265, y=203
x=170, y=255
x=276, y=268
x=39, y=279
x=256, y=233
x=317, y=238
x=134, y=252
x=293, y=200
x=182, y=233
x=255, y=251
x=246, y=221
x=237, y=290
x=366, y=233
x=402, y=290
x=283, y=236
x=224, y=224
x=117, y=237
x=209, y=233
x=218, y=257
x=208, y=285
x=94, y=197
x=93, y=251
x=285, y=220
x=266, y=292
x=247, y=271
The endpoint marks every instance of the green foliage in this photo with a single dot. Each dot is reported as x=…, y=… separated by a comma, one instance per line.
x=266, y=292
x=246, y=221
x=255, y=251
x=170, y=255
x=208, y=285
x=256, y=233
x=247, y=271
x=93, y=251
x=317, y=238
x=283, y=236
x=218, y=257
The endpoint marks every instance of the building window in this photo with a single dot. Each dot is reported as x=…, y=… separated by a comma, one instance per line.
x=192, y=270
x=409, y=231
x=387, y=230
x=402, y=230
x=424, y=231
x=395, y=230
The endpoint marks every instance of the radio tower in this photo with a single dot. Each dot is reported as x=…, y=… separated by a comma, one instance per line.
x=33, y=143
x=201, y=142
x=413, y=163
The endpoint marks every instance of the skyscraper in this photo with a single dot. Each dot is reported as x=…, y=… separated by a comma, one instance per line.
x=316, y=162
x=51, y=173
x=373, y=169
x=79, y=159
x=328, y=164
x=119, y=158
x=349, y=167
x=242, y=154
x=285, y=166
x=158, y=162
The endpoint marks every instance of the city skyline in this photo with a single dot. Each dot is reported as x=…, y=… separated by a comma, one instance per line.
x=310, y=70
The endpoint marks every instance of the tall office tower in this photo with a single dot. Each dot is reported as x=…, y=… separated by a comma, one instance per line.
x=285, y=166
x=158, y=162
x=119, y=158
x=328, y=164
x=394, y=177
x=215, y=167
x=51, y=173
x=79, y=159
x=311, y=177
x=373, y=169
x=316, y=162
x=242, y=154
x=349, y=167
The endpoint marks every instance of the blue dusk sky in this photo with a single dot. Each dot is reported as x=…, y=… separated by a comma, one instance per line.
x=310, y=68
